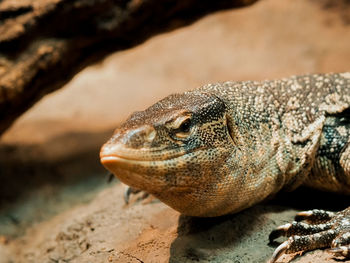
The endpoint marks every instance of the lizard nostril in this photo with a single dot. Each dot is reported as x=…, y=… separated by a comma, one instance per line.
x=150, y=135
x=138, y=137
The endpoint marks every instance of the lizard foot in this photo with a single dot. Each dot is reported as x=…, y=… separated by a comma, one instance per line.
x=319, y=229
x=128, y=191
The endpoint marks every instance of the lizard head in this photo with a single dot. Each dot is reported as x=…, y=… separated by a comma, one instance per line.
x=173, y=150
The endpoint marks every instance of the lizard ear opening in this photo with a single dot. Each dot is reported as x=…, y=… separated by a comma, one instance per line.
x=229, y=125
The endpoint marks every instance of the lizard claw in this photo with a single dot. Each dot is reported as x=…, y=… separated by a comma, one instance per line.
x=321, y=229
x=127, y=193
x=110, y=177
x=342, y=251
x=279, y=251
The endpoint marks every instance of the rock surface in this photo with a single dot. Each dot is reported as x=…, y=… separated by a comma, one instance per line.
x=106, y=230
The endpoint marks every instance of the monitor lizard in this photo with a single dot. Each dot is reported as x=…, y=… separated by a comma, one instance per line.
x=224, y=147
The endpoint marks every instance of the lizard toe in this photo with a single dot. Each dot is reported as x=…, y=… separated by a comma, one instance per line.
x=298, y=228
x=315, y=216
x=341, y=244
x=303, y=243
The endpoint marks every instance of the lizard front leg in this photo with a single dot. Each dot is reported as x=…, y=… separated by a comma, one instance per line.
x=321, y=229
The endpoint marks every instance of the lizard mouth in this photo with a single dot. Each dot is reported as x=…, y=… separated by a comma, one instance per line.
x=119, y=153
x=125, y=160
x=114, y=159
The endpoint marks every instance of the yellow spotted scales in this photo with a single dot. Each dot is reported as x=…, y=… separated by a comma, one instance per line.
x=224, y=147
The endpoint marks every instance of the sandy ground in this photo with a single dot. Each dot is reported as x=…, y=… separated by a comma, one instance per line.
x=106, y=230
x=56, y=205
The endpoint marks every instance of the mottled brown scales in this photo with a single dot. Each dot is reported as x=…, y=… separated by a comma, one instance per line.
x=227, y=146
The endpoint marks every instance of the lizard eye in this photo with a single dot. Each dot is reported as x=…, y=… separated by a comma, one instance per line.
x=185, y=126
x=182, y=127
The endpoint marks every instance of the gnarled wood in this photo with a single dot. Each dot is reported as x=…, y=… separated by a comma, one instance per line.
x=43, y=43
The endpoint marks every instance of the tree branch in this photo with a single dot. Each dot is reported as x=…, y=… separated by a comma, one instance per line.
x=44, y=43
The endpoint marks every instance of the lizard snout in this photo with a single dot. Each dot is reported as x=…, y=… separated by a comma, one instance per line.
x=140, y=137
x=127, y=154
x=128, y=144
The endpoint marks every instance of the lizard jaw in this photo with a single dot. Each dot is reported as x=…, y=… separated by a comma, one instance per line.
x=135, y=174
x=124, y=170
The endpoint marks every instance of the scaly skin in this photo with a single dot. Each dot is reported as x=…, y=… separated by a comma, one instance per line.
x=225, y=147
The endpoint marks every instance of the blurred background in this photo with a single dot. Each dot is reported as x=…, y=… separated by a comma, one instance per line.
x=49, y=156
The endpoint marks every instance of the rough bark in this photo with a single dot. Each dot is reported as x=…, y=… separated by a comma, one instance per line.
x=43, y=43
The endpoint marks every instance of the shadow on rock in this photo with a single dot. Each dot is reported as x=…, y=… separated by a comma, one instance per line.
x=243, y=237
x=41, y=180
x=305, y=198
x=61, y=160
x=236, y=238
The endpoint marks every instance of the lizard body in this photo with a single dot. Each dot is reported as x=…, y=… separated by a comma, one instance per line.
x=224, y=147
